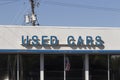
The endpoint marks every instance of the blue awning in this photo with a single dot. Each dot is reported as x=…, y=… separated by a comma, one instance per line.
x=16, y=51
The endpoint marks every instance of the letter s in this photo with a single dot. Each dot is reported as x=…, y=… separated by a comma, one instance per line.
x=99, y=41
x=35, y=40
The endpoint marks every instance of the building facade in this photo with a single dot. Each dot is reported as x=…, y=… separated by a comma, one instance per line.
x=59, y=53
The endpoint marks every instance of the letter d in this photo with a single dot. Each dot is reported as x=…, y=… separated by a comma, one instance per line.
x=53, y=40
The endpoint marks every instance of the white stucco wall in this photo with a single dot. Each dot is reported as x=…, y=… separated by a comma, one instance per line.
x=11, y=36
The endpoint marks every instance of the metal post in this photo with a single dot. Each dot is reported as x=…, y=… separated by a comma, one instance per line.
x=108, y=67
x=17, y=66
x=86, y=67
x=8, y=66
x=64, y=69
x=41, y=66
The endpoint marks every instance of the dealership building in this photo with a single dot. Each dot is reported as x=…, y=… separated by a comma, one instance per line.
x=59, y=53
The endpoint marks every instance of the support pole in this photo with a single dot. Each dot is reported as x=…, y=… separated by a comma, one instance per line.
x=8, y=66
x=64, y=69
x=86, y=67
x=41, y=66
x=17, y=66
x=108, y=67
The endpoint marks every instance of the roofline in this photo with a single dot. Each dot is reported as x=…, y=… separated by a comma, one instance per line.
x=57, y=27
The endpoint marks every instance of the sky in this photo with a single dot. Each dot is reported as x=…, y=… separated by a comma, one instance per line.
x=73, y=13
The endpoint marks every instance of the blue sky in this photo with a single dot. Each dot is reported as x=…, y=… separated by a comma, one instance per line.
x=89, y=13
